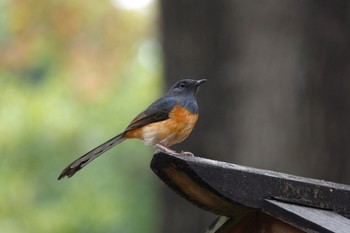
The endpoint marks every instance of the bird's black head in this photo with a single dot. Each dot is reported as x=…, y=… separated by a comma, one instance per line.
x=186, y=86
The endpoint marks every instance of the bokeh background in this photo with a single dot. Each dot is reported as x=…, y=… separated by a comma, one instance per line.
x=74, y=73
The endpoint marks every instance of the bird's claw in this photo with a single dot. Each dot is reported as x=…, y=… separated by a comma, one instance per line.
x=187, y=153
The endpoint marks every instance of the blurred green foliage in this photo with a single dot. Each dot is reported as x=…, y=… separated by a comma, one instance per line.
x=72, y=75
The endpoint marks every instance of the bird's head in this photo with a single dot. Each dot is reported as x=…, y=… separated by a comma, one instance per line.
x=186, y=86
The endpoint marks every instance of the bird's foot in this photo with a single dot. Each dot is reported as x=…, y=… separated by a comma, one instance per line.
x=186, y=153
x=166, y=149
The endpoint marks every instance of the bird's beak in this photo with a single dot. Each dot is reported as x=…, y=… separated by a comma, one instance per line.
x=199, y=82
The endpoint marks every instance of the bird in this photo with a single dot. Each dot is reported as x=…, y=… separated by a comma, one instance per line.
x=167, y=121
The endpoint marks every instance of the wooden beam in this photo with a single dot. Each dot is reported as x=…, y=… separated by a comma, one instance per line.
x=234, y=190
x=307, y=218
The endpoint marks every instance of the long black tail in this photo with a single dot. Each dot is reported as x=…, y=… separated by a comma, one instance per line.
x=81, y=162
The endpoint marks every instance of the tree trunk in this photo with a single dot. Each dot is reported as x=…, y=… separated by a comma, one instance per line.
x=277, y=92
x=325, y=98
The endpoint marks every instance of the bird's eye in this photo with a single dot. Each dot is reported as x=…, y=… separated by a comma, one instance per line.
x=182, y=84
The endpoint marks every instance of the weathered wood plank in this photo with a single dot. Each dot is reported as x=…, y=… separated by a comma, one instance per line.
x=229, y=189
x=307, y=218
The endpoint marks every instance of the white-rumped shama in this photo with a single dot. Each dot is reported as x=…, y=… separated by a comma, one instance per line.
x=167, y=121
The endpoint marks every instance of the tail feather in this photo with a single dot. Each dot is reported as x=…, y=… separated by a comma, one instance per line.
x=81, y=162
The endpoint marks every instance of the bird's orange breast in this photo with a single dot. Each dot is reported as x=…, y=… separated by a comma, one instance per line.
x=168, y=132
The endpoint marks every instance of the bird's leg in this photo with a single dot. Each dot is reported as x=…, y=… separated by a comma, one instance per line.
x=172, y=152
x=166, y=149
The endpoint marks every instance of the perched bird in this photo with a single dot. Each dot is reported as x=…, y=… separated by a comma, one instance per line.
x=167, y=121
